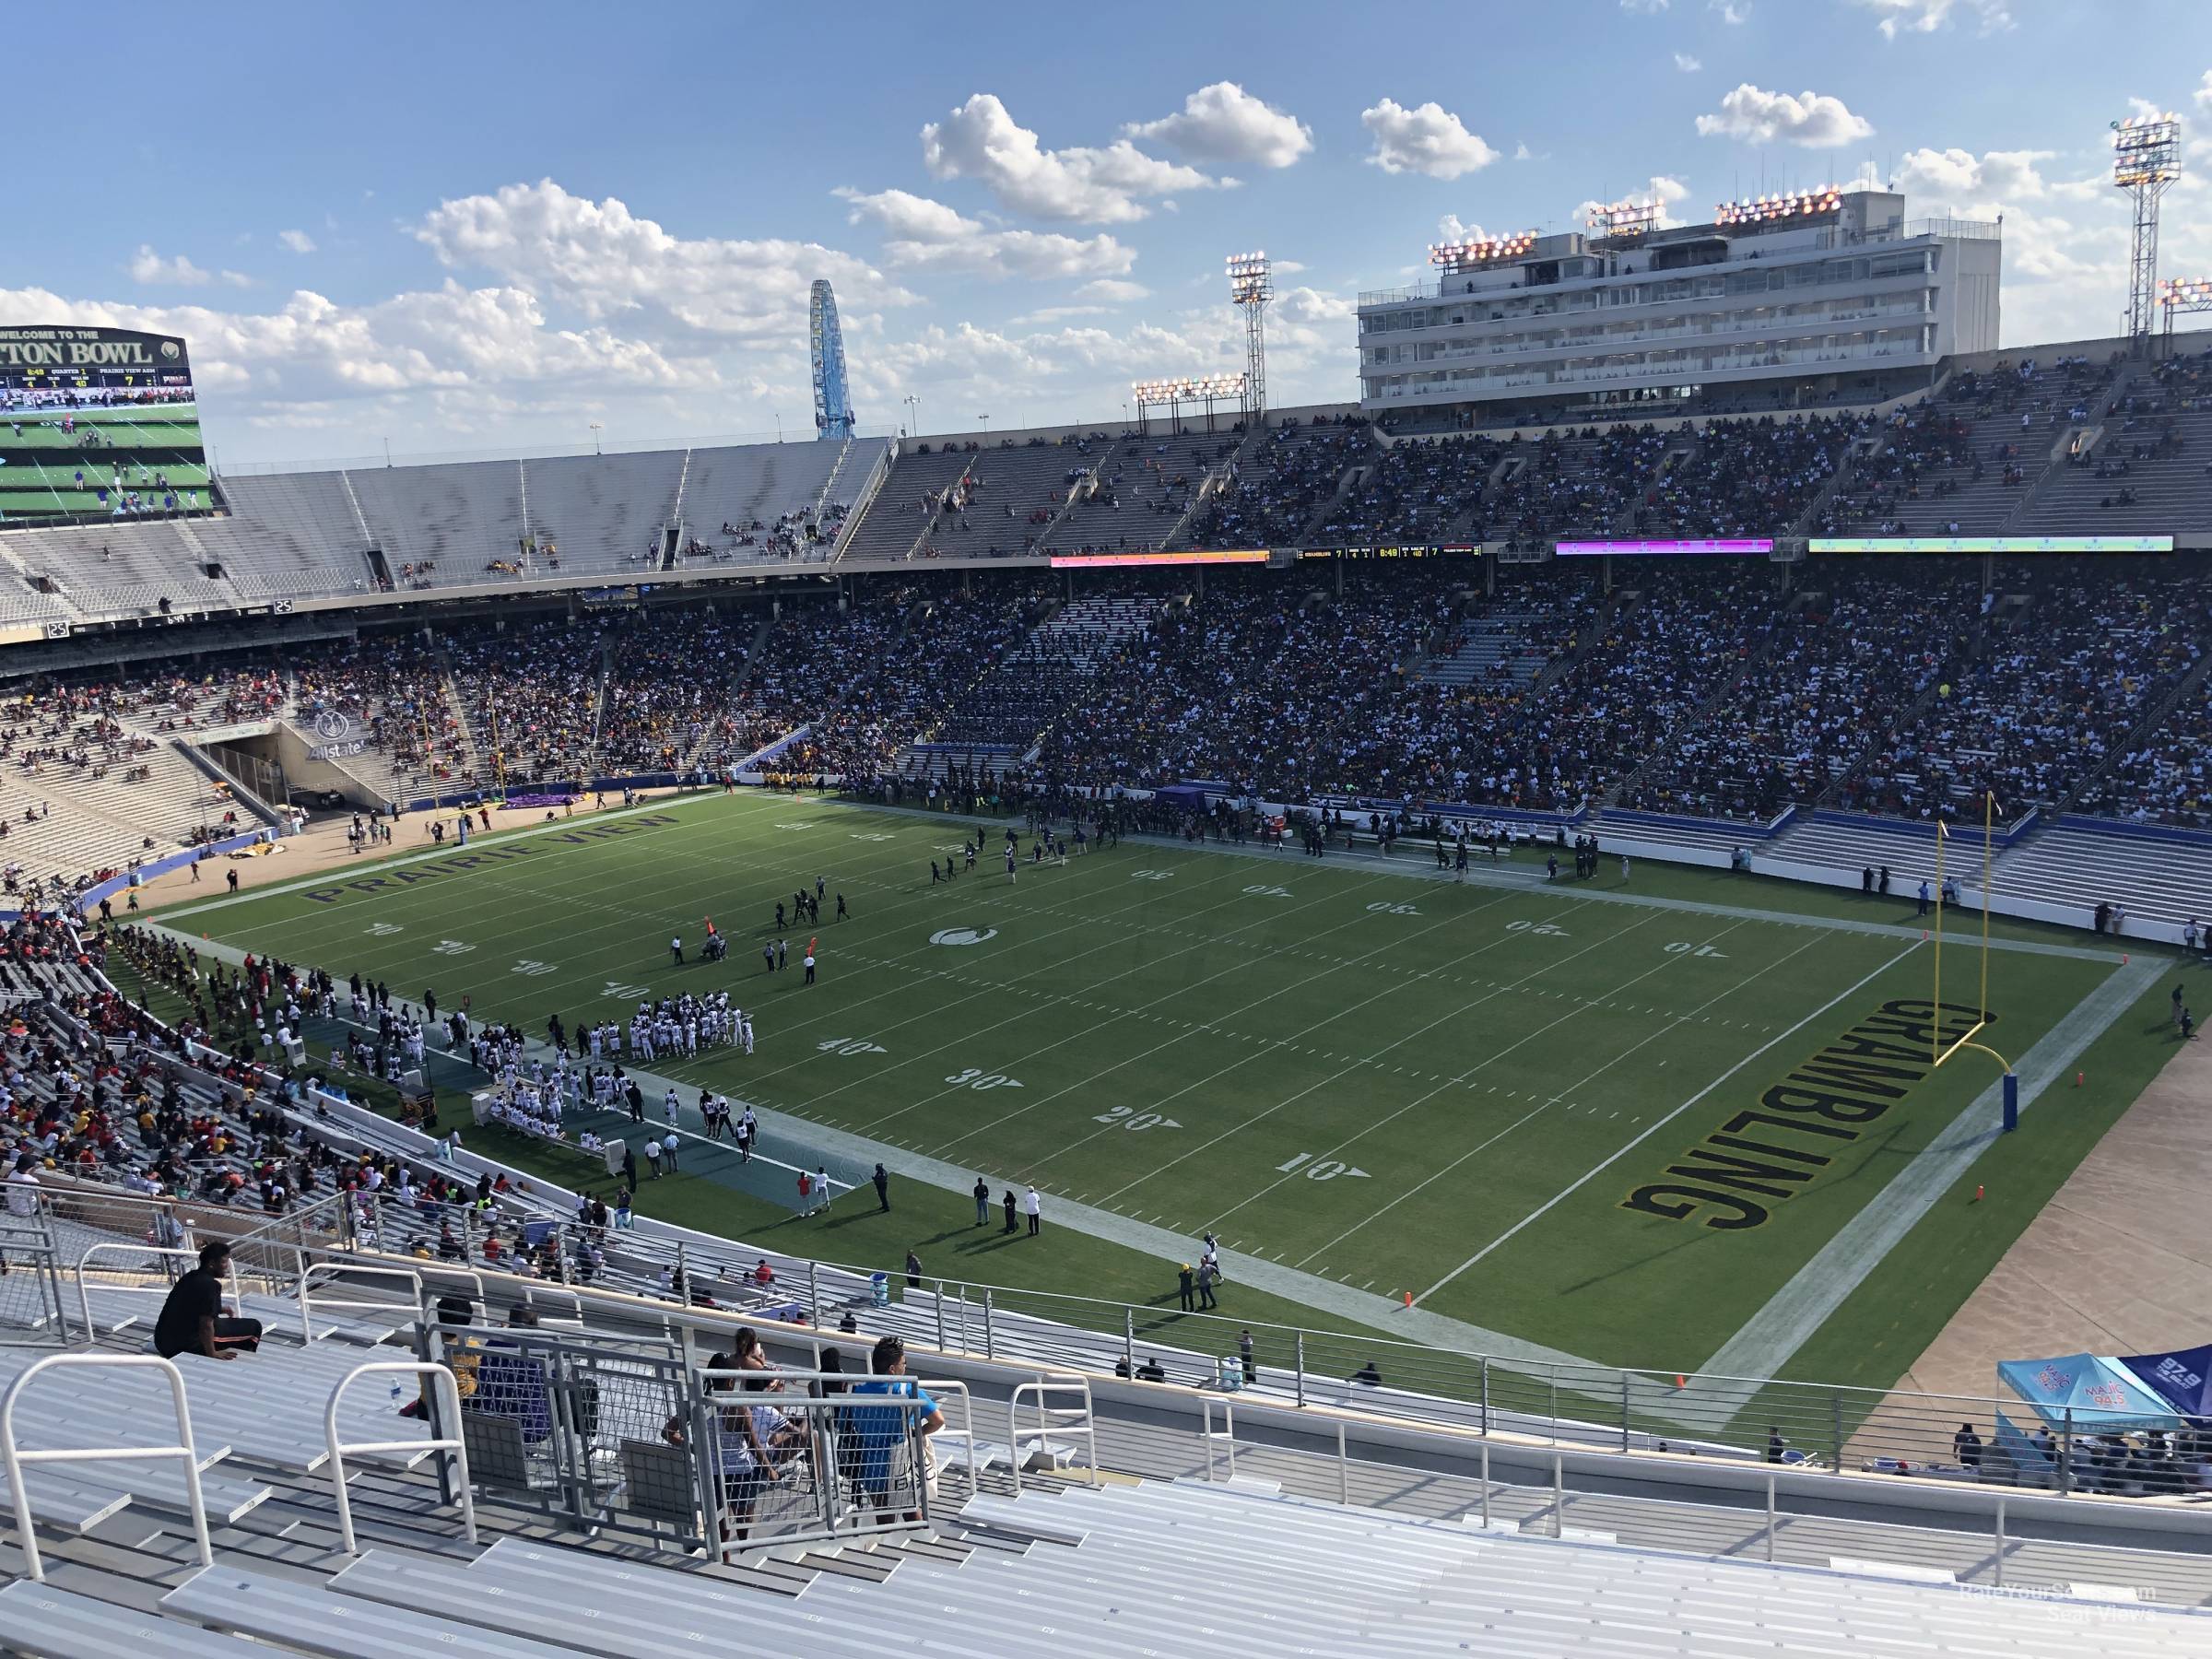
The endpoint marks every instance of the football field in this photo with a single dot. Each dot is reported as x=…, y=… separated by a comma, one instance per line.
x=1614, y=1117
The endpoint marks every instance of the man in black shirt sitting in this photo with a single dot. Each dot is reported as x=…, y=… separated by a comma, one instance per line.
x=193, y=1320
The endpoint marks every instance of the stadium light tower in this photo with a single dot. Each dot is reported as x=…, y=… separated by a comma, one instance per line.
x=2177, y=295
x=2147, y=158
x=1251, y=286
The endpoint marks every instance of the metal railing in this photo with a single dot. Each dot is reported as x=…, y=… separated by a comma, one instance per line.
x=826, y=1466
x=449, y=1395
x=30, y=1290
x=184, y=1451
x=334, y=1270
x=164, y=1279
x=1053, y=1422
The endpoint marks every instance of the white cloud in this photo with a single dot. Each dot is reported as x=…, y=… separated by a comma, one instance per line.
x=1955, y=175
x=1452, y=229
x=921, y=234
x=1731, y=12
x=1649, y=8
x=1925, y=16
x=1687, y=64
x=1523, y=153
x=1113, y=291
x=1659, y=188
x=2204, y=91
x=1812, y=120
x=1224, y=122
x=314, y=349
x=980, y=140
x=236, y=279
x=607, y=261
x=298, y=241
x=1428, y=139
x=149, y=268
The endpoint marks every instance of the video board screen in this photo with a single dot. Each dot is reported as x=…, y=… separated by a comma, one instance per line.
x=100, y=423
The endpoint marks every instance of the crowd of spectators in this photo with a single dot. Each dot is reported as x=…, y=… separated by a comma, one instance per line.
x=1281, y=481
x=2037, y=700
x=1861, y=642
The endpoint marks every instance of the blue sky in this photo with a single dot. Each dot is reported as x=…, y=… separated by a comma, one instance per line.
x=466, y=227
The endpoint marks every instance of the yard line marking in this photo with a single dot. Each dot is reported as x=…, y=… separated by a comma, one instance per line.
x=1323, y=1083
x=1273, y=1047
x=1511, y=881
x=1547, y=1105
x=1044, y=1100
x=1613, y=1157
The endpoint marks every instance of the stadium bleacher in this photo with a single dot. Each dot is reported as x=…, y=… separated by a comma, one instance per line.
x=1383, y=1551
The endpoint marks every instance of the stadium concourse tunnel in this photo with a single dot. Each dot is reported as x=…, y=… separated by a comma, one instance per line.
x=771, y=1175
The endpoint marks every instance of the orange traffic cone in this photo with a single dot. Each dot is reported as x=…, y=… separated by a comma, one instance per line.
x=1978, y=1194
x=1681, y=1381
x=2078, y=1077
x=1409, y=1298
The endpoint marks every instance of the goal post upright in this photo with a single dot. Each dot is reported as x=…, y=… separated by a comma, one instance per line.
x=1939, y=1051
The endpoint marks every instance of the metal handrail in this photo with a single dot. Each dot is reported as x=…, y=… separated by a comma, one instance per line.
x=183, y=1451
x=449, y=1395
x=937, y=1388
x=1083, y=1428
x=308, y=1303
x=84, y=1295
x=1228, y=1432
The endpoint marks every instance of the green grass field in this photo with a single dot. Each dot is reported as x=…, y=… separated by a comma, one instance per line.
x=1370, y=1076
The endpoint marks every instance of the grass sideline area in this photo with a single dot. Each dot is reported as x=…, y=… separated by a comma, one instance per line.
x=939, y=1226
x=1492, y=1093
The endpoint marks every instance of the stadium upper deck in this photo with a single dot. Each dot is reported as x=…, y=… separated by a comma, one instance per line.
x=2080, y=438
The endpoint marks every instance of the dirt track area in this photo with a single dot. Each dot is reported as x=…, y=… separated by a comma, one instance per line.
x=2105, y=1268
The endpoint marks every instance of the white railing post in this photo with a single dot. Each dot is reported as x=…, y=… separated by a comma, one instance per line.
x=1344, y=1467
x=1769, y=1515
x=2000, y=1541
x=449, y=1397
x=184, y=1451
x=1084, y=1426
x=1559, y=1486
x=1298, y=1372
x=1485, y=1482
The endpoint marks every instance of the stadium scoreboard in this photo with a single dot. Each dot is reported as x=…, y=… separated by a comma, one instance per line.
x=58, y=358
x=97, y=424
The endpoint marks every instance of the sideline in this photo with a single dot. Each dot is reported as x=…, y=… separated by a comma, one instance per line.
x=1324, y=1296
x=337, y=875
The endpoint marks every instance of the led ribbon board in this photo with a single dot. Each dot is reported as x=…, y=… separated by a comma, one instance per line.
x=1641, y=549
x=1991, y=543
x=1075, y=561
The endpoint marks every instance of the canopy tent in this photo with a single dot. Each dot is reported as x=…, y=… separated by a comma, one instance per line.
x=2091, y=1394
x=2183, y=1377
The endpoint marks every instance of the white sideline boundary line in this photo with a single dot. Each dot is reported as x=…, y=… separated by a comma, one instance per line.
x=1611, y=1159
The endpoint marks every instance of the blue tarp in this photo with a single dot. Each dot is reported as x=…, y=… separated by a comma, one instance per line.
x=2183, y=1377
x=2101, y=1396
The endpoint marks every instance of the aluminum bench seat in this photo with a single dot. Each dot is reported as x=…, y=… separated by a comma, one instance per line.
x=596, y=1615
x=308, y=1617
x=43, y=1622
